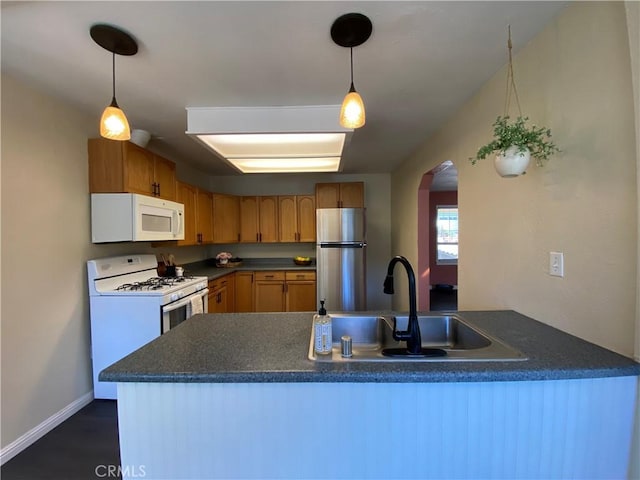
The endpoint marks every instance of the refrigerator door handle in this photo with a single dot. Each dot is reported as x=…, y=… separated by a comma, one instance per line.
x=342, y=245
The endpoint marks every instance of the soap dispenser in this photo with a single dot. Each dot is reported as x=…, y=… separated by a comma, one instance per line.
x=322, y=331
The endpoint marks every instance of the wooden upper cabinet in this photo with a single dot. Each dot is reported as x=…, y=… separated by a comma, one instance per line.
x=352, y=195
x=297, y=218
x=340, y=195
x=259, y=219
x=226, y=218
x=198, y=214
x=204, y=217
x=288, y=219
x=138, y=171
x=188, y=195
x=327, y=195
x=119, y=167
x=164, y=172
x=249, y=219
x=268, y=219
x=306, y=218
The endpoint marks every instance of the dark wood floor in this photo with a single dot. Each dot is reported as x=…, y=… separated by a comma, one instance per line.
x=83, y=447
x=443, y=299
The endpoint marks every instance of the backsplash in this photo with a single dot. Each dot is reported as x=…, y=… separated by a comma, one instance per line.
x=265, y=250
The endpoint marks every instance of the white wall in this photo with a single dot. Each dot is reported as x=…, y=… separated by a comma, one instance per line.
x=45, y=245
x=575, y=78
x=377, y=202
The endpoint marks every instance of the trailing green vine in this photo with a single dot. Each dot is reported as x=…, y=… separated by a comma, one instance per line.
x=507, y=134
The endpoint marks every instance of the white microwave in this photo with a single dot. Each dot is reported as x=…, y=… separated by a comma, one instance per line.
x=129, y=217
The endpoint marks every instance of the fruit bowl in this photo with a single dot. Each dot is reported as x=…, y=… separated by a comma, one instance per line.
x=302, y=260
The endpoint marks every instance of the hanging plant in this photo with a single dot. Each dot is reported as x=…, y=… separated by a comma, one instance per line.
x=515, y=142
x=537, y=140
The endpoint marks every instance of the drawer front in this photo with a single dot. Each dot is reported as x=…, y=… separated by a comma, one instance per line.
x=219, y=283
x=300, y=275
x=269, y=275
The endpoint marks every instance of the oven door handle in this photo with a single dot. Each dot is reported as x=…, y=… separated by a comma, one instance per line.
x=185, y=301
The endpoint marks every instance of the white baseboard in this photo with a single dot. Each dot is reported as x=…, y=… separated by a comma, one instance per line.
x=39, y=431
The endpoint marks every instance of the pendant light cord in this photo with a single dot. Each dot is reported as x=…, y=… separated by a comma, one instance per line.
x=511, y=83
x=352, y=89
x=113, y=72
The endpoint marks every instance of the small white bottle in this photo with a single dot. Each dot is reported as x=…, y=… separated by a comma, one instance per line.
x=322, y=331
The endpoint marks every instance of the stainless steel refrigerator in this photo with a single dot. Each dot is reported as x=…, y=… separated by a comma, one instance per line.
x=341, y=258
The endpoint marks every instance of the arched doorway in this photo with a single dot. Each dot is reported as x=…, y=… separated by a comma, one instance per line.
x=437, y=238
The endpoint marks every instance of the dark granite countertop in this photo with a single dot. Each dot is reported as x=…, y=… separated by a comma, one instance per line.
x=207, y=268
x=273, y=347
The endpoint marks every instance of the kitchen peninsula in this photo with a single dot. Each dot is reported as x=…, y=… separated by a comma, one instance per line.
x=235, y=396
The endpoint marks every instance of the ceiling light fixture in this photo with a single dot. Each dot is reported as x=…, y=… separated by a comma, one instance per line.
x=114, y=124
x=351, y=30
x=271, y=139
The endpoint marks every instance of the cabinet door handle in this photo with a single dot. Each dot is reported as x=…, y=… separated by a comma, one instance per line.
x=158, y=188
x=268, y=276
x=257, y=237
x=261, y=237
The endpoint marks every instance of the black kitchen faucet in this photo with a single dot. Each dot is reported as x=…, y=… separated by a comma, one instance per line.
x=412, y=334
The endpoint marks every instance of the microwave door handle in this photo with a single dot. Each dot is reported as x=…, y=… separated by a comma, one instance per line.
x=177, y=223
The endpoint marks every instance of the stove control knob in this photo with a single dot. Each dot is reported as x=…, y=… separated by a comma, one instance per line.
x=174, y=297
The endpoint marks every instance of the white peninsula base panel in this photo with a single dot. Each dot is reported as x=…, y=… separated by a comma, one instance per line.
x=529, y=429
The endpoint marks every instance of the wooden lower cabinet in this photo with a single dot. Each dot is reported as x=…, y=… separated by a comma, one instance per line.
x=221, y=294
x=264, y=291
x=244, y=292
x=269, y=291
x=285, y=291
x=300, y=291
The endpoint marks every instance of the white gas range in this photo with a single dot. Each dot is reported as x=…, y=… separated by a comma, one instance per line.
x=130, y=306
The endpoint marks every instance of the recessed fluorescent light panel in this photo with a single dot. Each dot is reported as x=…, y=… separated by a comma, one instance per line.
x=272, y=139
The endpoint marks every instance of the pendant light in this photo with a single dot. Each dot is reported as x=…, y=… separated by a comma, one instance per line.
x=113, y=123
x=351, y=30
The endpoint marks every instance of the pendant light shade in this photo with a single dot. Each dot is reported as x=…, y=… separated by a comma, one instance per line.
x=352, y=112
x=351, y=30
x=113, y=123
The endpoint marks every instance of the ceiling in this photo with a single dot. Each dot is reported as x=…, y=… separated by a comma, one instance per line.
x=421, y=63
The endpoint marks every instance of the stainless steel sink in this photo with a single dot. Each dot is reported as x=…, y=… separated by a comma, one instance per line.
x=371, y=334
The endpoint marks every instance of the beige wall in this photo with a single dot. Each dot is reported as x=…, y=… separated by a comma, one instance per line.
x=377, y=202
x=575, y=78
x=45, y=244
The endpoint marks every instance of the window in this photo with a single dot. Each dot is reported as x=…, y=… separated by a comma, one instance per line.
x=447, y=234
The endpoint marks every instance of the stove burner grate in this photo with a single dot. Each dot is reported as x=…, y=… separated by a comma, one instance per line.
x=153, y=283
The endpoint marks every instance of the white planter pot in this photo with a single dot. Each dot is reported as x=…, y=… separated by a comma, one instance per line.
x=513, y=162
